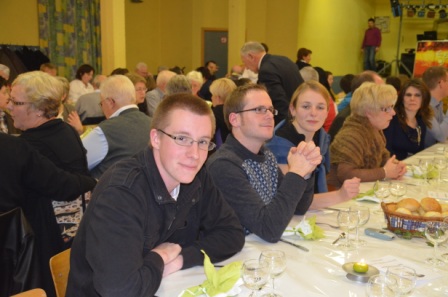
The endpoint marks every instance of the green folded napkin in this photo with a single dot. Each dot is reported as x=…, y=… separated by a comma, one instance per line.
x=370, y=192
x=306, y=229
x=218, y=281
x=417, y=172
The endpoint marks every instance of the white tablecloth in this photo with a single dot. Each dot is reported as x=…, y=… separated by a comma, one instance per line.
x=319, y=272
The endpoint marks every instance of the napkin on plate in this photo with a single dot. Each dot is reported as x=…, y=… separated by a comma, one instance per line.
x=306, y=229
x=367, y=196
x=223, y=282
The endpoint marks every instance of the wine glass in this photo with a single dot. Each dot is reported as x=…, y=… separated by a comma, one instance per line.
x=380, y=286
x=364, y=215
x=425, y=166
x=381, y=189
x=276, y=261
x=255, y=274
x=440, y=164
x=436, y=232
x=405, y=279
x=397, y=189
x=347, y=220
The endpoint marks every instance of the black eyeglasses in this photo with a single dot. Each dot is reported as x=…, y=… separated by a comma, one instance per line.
x=261, y=110
x=183, y=140
x=17, y=103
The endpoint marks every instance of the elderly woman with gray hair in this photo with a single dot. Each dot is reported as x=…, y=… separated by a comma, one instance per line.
x=359, y=149
x=34, y=106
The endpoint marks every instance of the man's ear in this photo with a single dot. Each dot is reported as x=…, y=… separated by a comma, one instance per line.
x=154, y=137
x=234, y=119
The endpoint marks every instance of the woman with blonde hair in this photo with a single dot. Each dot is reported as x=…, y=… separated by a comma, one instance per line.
x=308, y=110
x=359, y=149
x=220, y=89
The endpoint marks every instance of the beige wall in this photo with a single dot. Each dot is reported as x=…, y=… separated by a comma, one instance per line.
x=170, y=32
x=18, y=22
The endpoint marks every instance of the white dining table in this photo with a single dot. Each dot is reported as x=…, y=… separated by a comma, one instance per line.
x=319, y=271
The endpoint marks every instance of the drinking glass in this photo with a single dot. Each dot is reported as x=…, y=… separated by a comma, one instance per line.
x=425, y=165
x=405, y=279
x=255, y=275
x=363, y=215
x=348, y=220
x=397, y=189
x=436, y=232
x=380, y=286
x=381, y=189
x=440, y=164
x=276, y=261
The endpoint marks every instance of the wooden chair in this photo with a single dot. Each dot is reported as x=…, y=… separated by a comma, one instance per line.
x=32, y=293
x=60, y=267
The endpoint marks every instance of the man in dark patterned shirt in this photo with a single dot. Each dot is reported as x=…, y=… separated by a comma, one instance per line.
x=247, y=173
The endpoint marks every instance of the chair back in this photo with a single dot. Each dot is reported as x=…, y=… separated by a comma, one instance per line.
x=60, y=267
x=32, y=293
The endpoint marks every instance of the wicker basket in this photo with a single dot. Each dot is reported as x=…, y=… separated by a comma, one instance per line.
x=407, y=226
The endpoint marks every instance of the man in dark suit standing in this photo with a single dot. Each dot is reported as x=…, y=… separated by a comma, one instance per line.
x=278, y=73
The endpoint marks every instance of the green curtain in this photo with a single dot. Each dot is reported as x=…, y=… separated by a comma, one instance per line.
x=70, y=34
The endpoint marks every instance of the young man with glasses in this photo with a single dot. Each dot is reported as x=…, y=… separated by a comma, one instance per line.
x=247, y=173
x=151, y=215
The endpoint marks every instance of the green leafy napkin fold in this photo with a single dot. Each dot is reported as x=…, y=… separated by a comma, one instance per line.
x=417, y=172
x=367, y=193
x=218, y=281
x=306, y=229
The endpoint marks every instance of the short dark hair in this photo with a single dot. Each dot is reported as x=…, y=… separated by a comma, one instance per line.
x=235, y=100
x=371, y=20
x=358, y=80
x=303, y=52
x=85, y=68
x=345, y=83
x=210, y=62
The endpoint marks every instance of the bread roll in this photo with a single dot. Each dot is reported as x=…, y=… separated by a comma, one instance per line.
x=391, y=207
x=403, y=211
x=445, y=214
x=421, y=211
x=408, y=203
x=432, y=214
x=430, y=204
x=444, y=207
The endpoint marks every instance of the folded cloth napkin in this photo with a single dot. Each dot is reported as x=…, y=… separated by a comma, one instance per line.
x=306, y=229
x=224, y=282
x=370, y=193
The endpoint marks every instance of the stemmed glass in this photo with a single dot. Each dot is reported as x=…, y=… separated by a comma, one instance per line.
x=404, y=277
x=436, y=232
x=381, y=189
x=363, y=215
x=440, y=164
x=276, y=261
x=380, y=286
x=425, y=165
x=397, y=189
x=255, y=274
x=347, y=220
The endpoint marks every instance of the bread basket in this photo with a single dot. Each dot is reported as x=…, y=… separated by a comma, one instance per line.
x=406, y=226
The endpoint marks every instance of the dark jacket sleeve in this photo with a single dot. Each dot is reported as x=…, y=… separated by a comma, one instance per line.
x=267, y=221
x=222, y=234
x=122, y=262
x=40, y=175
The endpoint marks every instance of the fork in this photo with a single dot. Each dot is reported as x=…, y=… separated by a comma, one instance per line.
x=332, y=226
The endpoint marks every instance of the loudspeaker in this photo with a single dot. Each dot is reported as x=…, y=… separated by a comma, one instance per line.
x=396, y=8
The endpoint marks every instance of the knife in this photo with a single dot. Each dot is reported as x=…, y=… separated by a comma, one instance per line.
x=296, y=245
